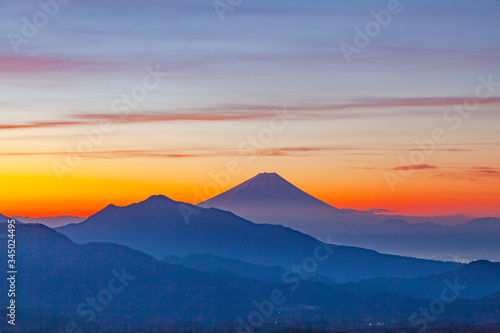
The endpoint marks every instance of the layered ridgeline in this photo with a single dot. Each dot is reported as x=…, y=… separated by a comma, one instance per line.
x=474, y=281
x=52, y=222
x=474, y=240
x=268, y=198
x=100, y=287
x=65, y=287
x=161, y=227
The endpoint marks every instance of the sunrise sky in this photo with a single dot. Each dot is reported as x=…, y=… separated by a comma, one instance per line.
x=349, y=123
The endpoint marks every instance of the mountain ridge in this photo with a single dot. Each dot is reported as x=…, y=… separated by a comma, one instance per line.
x=269, y=192
x=59, y=277
x=160, y=227
x=472, y=240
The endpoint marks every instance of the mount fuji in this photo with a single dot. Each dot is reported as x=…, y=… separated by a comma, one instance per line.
x=269, y=198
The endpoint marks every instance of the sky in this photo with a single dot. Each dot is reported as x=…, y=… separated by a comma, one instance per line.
x=111, y=102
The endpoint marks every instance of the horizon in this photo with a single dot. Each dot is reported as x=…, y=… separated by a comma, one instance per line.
x=374, y=211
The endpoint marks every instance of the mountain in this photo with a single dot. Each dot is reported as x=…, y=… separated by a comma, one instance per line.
x=210, y=263
x=480, y=278
x=477, y=239
x=52, y=222
x=487, y=224
x=268, y=198
x=384, y=214
x=105, y=287
x=5, y=219
x=131, y=290
x=161, y=227
x=269, y=195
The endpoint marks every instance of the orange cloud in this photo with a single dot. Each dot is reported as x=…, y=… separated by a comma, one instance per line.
x=415, y=167
x=238, y=112
x=208, y=152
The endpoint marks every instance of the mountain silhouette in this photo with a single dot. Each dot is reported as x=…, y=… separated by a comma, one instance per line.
x=269, y=195
x=487, y=224
x=161, y=227
x=210, y=263
x=268, y=198
x=481, y=278
x=52, y=222
x=105, y=287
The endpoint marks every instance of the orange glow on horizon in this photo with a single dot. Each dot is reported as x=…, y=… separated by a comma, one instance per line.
x=87, y=195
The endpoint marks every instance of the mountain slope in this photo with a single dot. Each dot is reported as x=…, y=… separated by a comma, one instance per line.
x=210, y=263
x=477, y=239
x=268, y=198
x=52, y=222
x=268, y=194
x=108, y=287
x=486, y=224
x=159, y=226
x=59, y=275
x=479, y=279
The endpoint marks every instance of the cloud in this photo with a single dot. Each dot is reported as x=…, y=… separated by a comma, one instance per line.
x=29, y=65
x=40, y=124
x=474, y=174
x=182, y=152
x=148, y=117
x=365, y=168
x=372, y=211
x=242, y=112
x=415, y=167
x=197, y=152
x=379, y=210
x=486, y=171
x=92, y=119
x=382, y=102
x=299, y=151
x=108, y=154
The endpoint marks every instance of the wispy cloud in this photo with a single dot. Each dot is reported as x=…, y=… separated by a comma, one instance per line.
x=470, y=173
x=109, y=154
x=415, y=167
x=148, y=117
x=91, y=119
x=36, y=65
x=299, y=151
x=40, y=124
x=242, y=112
x=486, y=171
x=381, y=102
